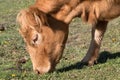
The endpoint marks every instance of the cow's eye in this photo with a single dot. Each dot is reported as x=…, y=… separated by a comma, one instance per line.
x=36, y=39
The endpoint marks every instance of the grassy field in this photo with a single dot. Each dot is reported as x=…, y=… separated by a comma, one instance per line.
x=12, y=49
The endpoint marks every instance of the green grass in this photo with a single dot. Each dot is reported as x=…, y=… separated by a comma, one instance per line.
x=12, y=49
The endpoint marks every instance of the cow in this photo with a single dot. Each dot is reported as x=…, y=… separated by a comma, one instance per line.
x=45, y=32
x=45, y=38
x=44, y=28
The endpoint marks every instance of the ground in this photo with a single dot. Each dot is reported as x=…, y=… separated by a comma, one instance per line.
x=12, y=50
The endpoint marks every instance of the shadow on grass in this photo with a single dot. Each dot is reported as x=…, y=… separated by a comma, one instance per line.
x=77, y=65
x=104, y=56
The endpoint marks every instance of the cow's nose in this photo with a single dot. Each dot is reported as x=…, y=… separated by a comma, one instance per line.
x=38, y=71
x=42, y=70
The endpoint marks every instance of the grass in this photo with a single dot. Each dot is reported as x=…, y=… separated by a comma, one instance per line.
x=12, y=49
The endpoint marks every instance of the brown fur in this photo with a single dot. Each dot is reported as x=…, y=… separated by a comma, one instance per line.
x=92, y=11
x=59, y=9
x=98, y=13
x=44, y=27
x=45, y=35
x=45, y=38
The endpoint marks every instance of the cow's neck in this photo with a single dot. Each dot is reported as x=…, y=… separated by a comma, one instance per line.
x=59, y=10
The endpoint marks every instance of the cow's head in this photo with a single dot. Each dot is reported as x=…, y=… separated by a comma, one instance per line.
x=45, y=38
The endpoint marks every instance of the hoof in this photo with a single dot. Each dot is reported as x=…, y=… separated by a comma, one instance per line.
x=89, y=62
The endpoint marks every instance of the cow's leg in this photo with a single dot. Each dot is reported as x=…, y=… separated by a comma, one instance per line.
x=97, y=35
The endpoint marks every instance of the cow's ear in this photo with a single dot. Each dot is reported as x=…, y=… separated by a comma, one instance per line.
x=36, y=38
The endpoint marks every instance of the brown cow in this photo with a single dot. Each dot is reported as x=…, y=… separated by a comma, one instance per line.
x=45, y=35
x=45, y=38
x=44, y=28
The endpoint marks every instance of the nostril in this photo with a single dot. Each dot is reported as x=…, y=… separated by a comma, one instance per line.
x=37, y=71
x=41, y=69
